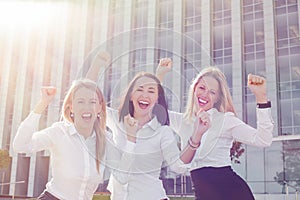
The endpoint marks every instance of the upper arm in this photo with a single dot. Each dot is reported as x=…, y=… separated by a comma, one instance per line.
x=242, y=132
x=175, y=120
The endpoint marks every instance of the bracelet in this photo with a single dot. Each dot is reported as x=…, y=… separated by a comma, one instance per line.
x=193, y=145
x=264, y=105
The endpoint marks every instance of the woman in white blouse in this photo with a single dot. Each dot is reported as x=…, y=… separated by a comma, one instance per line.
x=142, y=119
x=211, y=172
x=79, y=145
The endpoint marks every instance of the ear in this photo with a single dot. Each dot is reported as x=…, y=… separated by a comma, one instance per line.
x=99, y=109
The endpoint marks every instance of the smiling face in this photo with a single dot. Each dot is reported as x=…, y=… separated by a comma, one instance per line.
x=144, y=96
x=206, y=93
x=85, y=107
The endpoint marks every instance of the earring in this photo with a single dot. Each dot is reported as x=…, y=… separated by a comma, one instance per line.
x=71, y=115
x=99, y=116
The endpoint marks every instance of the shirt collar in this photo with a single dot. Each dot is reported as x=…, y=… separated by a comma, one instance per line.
x=153, y=124
x=73, y=131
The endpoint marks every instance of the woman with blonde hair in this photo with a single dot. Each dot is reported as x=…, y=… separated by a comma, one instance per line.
x=211, y=172
x=80, y=148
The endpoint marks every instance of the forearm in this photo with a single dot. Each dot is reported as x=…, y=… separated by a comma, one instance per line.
x=40, y=107
x=160, y=76
x=189, y=151
x=101, y=60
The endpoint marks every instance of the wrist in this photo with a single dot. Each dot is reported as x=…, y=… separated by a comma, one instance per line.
x=193, y=145
x=131, y=138
x=40, y=107
x=264, y=105
x=261, y=99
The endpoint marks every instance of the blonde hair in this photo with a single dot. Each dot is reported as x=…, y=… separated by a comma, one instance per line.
x=224, y=103
x=100, y=122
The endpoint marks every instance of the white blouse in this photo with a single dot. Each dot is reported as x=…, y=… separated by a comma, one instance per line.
x=73, y=164
x=155, y=143
x=214, y=150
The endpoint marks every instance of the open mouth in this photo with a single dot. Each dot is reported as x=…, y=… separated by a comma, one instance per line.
x=143, y=104
x=86, y=116
x=202, y=101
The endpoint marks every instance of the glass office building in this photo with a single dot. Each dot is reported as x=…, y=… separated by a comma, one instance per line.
x=238, y=36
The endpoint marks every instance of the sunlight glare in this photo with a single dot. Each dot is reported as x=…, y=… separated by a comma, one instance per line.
x=22, y=14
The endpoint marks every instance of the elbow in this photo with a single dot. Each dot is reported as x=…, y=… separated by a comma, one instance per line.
x=20, y=147
x=180, y=168
x=269, y=142
x=17, y=148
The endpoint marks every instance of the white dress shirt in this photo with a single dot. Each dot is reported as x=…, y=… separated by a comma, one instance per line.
x=214, y=150
x=74, y=172
x=155, y=143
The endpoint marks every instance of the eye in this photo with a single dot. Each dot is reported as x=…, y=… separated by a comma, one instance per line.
x=80, y=101
x=212, y=92
x=93, y=101
x=201, y=87
x=151, y=91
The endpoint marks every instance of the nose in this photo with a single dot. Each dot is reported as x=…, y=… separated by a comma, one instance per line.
x=205, y=92
x=144, y=94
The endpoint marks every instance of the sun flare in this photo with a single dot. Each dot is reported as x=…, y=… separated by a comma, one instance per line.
x=26, y=14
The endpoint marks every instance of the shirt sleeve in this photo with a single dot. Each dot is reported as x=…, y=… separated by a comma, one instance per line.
x=170, y=151
x=28, y=139
x=261, y=136
x=111, y=117
x=175, y=121
x=119, y=161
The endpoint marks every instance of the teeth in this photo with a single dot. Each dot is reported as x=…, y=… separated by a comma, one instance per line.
x=144, y=102
x=201, y=100
x=86, y=115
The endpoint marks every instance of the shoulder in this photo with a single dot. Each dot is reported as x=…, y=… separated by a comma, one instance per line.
x=229, y=114
x=61, y=128
x=166, y=130
x=231, y=120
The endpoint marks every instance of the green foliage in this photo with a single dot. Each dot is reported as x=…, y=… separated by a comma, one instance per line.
x=101, y=197
x=291, y=172
x=4, y=159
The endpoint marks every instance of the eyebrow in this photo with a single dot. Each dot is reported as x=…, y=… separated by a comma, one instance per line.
x=150, y=88
x=82, y=98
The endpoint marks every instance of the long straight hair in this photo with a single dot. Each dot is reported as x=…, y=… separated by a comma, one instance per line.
x=224, y=103
x=160, y=110
x=100, y=122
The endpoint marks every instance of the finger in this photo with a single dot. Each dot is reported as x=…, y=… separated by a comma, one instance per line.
x=255, y=80
x=250, y=79
x=201, y=110
x=51, y=91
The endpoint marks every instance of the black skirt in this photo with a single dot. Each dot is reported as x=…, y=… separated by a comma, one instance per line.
x=211, y=183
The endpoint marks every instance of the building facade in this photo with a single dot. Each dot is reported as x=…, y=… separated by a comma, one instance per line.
x=238, y=36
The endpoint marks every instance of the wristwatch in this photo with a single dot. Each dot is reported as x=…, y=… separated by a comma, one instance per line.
x=264, y=105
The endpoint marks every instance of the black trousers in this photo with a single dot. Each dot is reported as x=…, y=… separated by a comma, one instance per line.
x=47, y=196
x=210, y=183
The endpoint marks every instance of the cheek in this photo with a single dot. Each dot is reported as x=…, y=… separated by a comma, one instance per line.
x=133, y=96
x=99, y=108
x=154, y=98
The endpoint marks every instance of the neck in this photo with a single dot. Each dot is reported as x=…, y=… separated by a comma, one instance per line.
x=84, y=131
x=143, y=119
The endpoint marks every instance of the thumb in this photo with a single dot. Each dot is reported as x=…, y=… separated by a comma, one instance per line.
x=249, y=79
